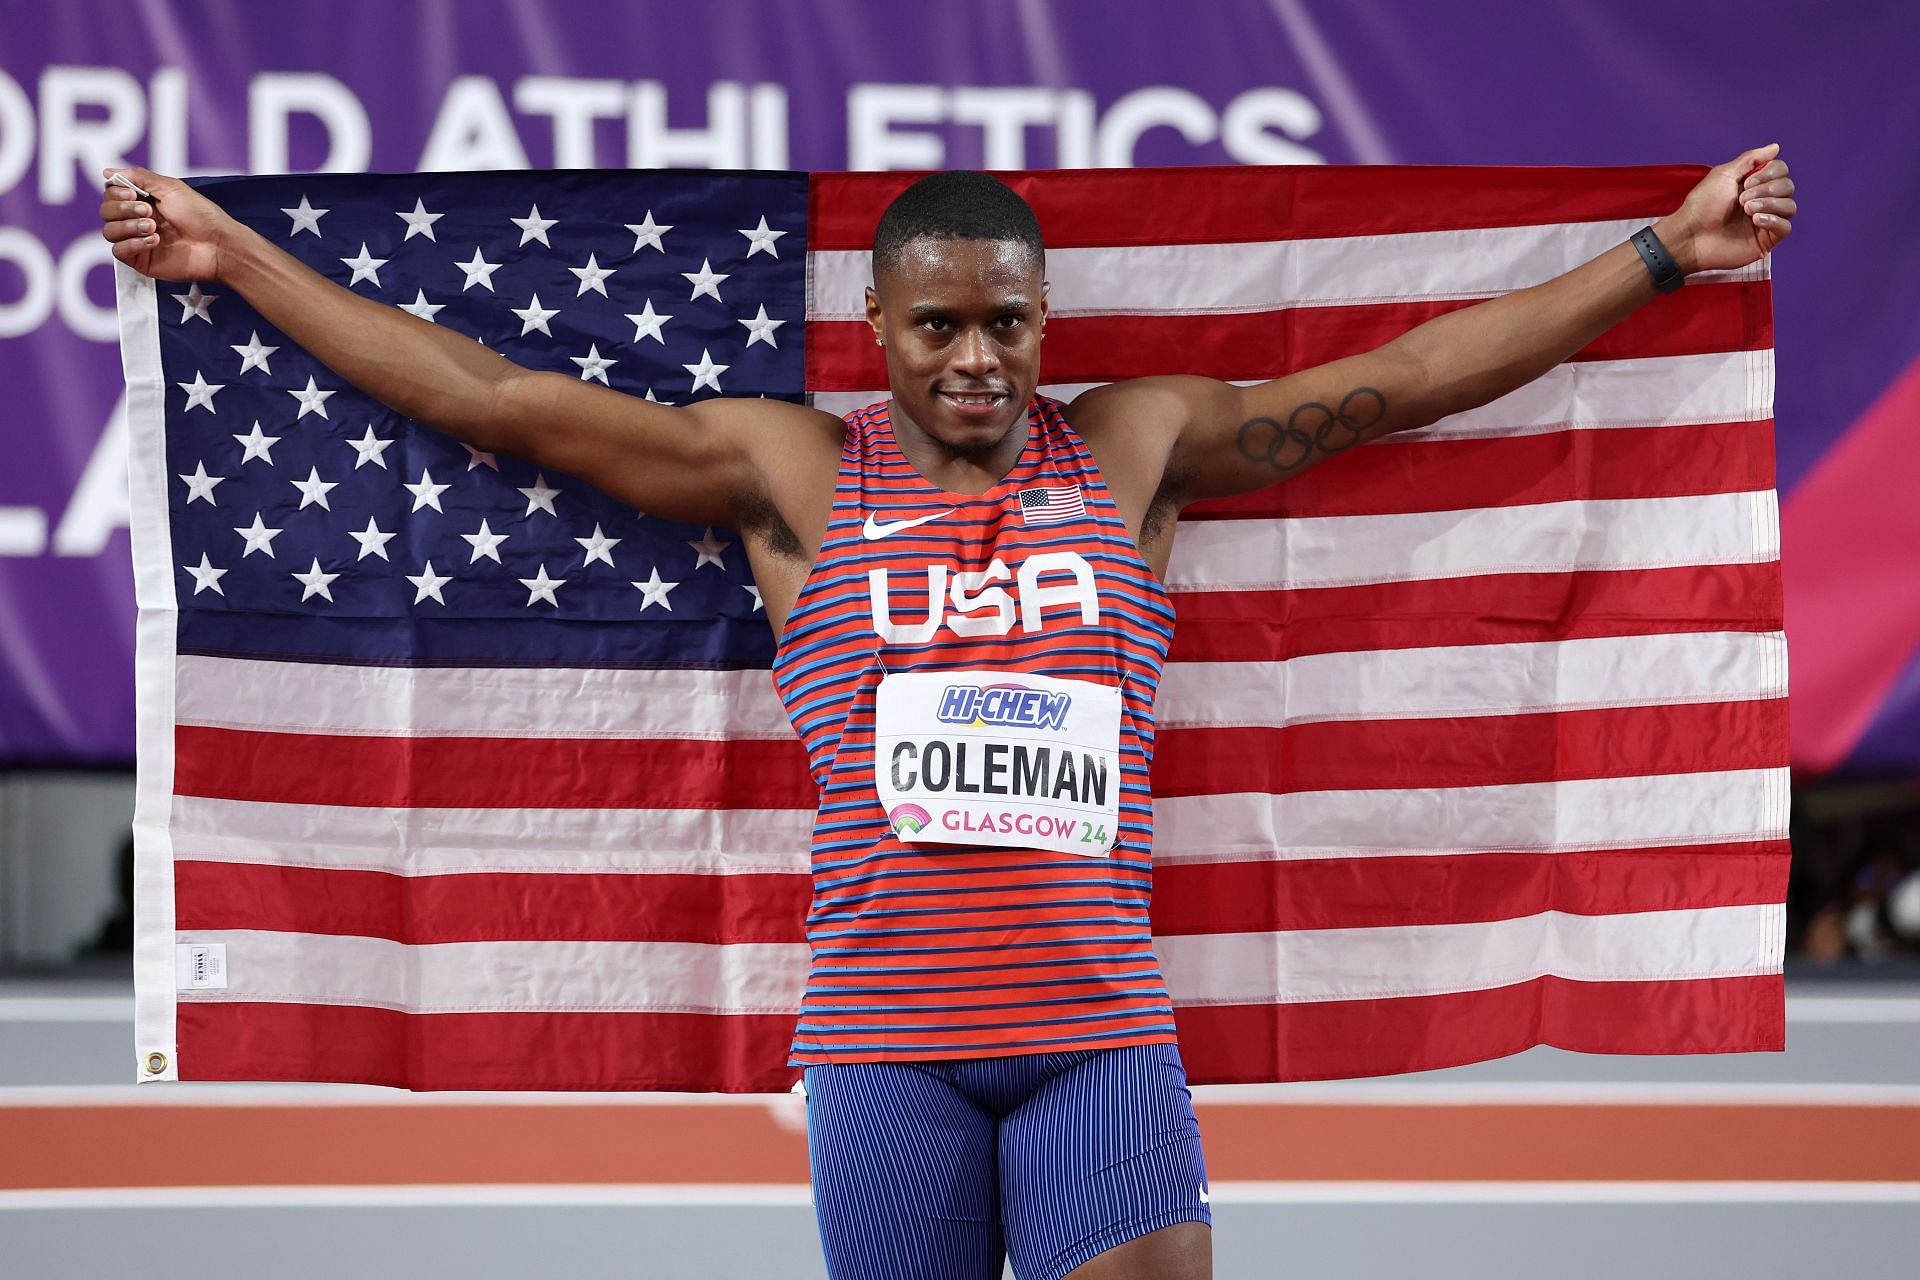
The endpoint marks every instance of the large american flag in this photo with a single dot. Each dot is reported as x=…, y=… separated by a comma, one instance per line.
x=457, y=774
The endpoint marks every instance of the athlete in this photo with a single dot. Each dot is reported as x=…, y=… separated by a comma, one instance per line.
x=966, y=585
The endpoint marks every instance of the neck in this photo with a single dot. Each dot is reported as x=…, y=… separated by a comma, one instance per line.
x=958, y=470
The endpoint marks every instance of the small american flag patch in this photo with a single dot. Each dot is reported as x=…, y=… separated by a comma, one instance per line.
x=1051, y=506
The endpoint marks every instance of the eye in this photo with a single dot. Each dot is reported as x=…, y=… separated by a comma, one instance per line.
x=935, y=324
x=1012, y=320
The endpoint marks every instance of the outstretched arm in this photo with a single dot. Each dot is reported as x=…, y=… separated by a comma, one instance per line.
x=1228, y=439
x=697, y=463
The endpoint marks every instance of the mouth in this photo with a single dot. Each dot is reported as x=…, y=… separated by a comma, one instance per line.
x=973, y=405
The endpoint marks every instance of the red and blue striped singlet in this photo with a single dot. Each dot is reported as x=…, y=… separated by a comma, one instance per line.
x=961, y=950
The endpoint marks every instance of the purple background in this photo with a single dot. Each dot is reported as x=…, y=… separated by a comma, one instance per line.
x=1484, y=83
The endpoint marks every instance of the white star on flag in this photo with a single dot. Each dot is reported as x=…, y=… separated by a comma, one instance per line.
x=195, y=305
x=760, y=240
x=305, y=218
x=758, y=603
x=541, y=587
x=311, y=398
x=594, y=365
x=365, y=267
x=648, y=232
x=479, y=457
x=205, y=576
x=427, y=584
x=200, y=485
x=315, y=583
x=598, y=547
x=760, y=329
x=258, y=536
x=426, y=493
x=706, y=373
x=485, y=542
x=647, y=322
x=372, y=541
x=706, y=280
x=592, y=276
x=200, y=392
x=419, y=222
x=257, y=444
x=478, y=272
x=369, y=449
x=709, y=549
x=422, y=308
x=254, y=354
x=313, y=489
x=540, y=497
x=653, y=591
x=534, y=227
x=534, y=316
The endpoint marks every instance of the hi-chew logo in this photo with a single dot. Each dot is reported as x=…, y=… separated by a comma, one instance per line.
x=910, y=820
x=1006, y=705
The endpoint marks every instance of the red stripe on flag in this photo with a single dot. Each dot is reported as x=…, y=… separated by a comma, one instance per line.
x=491, y=773
x=487, y=906
x=1697, y=321
x=1562, y=466
x=351, y=1044
x=1437, y=889
x=1246, y=1043
x=1207, y=205
x=1473, y=751
x=1270, y=626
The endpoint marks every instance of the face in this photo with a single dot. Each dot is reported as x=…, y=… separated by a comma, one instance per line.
x=961, y=322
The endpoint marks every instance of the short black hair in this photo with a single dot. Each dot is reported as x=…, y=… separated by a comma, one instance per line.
x=957, y=205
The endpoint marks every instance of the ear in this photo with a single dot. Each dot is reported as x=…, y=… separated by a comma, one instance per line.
x=875, y=317
x=1045, y=289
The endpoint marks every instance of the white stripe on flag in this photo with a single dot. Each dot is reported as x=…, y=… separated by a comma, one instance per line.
x=1423, y=960
x=501, y=702
x=1572, y=815
x=1476, y=680
x=677, y=977
x=1647, y=391
x=440, y=841
x=506, y=977
x=1180, y=279
x=564, y=702
x=1548, y=537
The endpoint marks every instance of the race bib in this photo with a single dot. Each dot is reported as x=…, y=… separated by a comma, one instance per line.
x=999, y=758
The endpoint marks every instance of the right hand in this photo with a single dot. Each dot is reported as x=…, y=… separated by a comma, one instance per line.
x=175, y=236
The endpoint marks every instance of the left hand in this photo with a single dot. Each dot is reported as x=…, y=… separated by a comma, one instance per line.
x=1736, y=216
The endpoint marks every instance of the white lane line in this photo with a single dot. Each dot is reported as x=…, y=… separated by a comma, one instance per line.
x=66, y=1009
x=1859, y=1010
x=798, y=1195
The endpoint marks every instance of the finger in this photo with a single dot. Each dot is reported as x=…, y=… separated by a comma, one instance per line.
x=1779, y=187
x=129, y=229
x=1752, y=159
x=1766, y=173
x=1780, y=208
x=112, y=209
x=1771, y=225
x=131, y=251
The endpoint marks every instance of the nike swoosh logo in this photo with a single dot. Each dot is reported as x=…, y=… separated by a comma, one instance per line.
x=875, y=530
x=1204, y=1197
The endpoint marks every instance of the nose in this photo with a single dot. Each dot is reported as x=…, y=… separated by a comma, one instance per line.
x=974, y=355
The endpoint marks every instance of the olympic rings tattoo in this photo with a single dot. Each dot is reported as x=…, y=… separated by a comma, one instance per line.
x=1313, y=426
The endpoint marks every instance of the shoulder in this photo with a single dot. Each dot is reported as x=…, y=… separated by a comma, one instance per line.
x=1143, y=406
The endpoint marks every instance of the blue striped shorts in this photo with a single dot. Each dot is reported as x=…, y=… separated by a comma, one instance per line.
x=940, y=1170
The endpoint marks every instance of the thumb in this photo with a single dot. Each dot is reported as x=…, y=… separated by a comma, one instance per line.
x=1747, y=161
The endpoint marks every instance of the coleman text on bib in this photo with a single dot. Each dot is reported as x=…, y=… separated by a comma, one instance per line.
x=999, y=758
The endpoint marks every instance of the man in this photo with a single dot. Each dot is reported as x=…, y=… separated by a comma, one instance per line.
x=965, y=582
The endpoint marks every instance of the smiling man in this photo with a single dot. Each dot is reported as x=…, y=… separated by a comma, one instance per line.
x=966, y=585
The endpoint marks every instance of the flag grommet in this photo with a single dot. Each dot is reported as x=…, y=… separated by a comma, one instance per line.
x=156, y=1064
